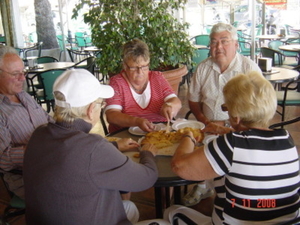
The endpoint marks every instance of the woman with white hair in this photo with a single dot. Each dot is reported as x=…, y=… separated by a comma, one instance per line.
x=259, y=166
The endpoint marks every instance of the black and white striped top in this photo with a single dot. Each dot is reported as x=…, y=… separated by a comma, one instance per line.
x=260, y=170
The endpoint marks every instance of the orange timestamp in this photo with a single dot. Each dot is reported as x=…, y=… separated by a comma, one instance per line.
x=259, y=203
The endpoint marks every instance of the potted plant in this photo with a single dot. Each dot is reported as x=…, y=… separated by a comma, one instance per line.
x=114, y=22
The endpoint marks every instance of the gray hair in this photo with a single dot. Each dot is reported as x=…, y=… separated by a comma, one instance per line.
x=68, y=115
x=220, y=27
x=135, y=49
x=6, y=50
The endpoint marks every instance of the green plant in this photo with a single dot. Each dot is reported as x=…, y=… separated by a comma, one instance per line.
x=114, y=22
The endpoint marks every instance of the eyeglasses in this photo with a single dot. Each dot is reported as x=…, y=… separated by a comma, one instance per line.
x=224, y=108
x=17, y=74
x=222, y=42
x=143, y=68
x=102, y=104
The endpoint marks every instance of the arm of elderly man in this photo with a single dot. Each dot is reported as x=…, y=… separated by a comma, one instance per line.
x=17, y=122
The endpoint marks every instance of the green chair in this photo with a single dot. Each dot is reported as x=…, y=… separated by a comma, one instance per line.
x=276, y=56
x=199, y=55
x=87, y=63
x=45, y=95
x=46, y=59
x=202, y=39
x=275, y=45
x=80, y=40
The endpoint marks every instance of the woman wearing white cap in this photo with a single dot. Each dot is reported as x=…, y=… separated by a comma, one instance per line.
x=72, y=176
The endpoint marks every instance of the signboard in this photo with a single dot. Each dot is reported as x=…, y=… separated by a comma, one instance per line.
x=279, y=4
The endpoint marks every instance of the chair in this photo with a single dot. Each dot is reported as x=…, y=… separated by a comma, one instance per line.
x=46, y=59
x=77, y=56
x=182, y=217
x=283, y=123
x=16, y=205
x=80, y=40
x=87, y=63
x=275, y=45
x=288, y=97
x=276, y=56
x=102, y=120
x=202, y=39
x=36, y=49
x=45, y=95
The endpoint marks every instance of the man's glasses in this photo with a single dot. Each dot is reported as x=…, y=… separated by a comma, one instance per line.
x=102, y=104
x=143, y=68
x=222, y=42
x=16, y=74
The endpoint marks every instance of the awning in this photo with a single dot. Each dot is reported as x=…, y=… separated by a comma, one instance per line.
x=278, y=4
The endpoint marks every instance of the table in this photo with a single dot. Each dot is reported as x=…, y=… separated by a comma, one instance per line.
x=273, y=37
x=200, y=46
x=92, y=49
x=166, y=177
x=50, y=66
x=284, y=75
x=291, y=48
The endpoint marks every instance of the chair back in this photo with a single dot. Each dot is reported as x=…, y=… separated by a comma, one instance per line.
x=199, y=55
x=275, y=44
x=35, y=50
x=202, y=39
x=46, y=59
x=47, y=79
x=276, y=56
x=87, y=63
x=77, y=56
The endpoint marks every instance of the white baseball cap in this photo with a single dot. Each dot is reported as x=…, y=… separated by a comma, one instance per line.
x=80, y=88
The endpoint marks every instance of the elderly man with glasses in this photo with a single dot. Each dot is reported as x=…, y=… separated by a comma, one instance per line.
x=19, y=116
x=205, y=92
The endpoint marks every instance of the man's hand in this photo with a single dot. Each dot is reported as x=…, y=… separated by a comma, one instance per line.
x=126, y=144
x=151, y=148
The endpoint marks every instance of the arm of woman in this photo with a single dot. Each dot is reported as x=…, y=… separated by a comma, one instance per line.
x=171, y=107
x=115, y=116
x=191, y=164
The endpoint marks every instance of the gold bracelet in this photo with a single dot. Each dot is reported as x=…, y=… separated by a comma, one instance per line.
x=190, y=137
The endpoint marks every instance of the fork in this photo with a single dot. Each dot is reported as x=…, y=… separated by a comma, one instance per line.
x=168, y=127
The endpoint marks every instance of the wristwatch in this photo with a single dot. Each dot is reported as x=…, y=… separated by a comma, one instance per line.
x=227, y=123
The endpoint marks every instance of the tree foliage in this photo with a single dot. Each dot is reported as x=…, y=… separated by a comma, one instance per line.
x=114, y=22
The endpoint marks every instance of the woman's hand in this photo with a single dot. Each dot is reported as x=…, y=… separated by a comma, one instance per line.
x=149, y=147
x=167, y=110
x=145, y=125
x=126, y=144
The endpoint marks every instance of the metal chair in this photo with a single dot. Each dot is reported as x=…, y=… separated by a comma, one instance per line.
x=77, y=56
x=87, y=63
x=46, y=59
x=16, y=205
x=276, y=56
x=36, y=50
x=288, y=97
x=45, y=95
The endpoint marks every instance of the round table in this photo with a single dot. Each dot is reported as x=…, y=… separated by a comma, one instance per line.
x=50, y=66
x=283, y=75
x=166, y=177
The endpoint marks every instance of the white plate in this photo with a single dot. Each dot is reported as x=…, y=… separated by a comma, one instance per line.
x=189, y=123
x=138, y=131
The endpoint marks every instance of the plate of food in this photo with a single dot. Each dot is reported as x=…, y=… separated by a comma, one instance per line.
x=188, y=123
x=167, y=142
x=138, y=131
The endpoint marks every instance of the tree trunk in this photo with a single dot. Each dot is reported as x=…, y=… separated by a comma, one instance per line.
x=44, y=24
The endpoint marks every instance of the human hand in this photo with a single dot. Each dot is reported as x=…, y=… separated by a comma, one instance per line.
x=126, y=144
x=149, y=147
x=145, y=125
x=167, y=111
x=214, y=128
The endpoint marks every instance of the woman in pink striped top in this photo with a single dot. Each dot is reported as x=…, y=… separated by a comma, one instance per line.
x=141, y=96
